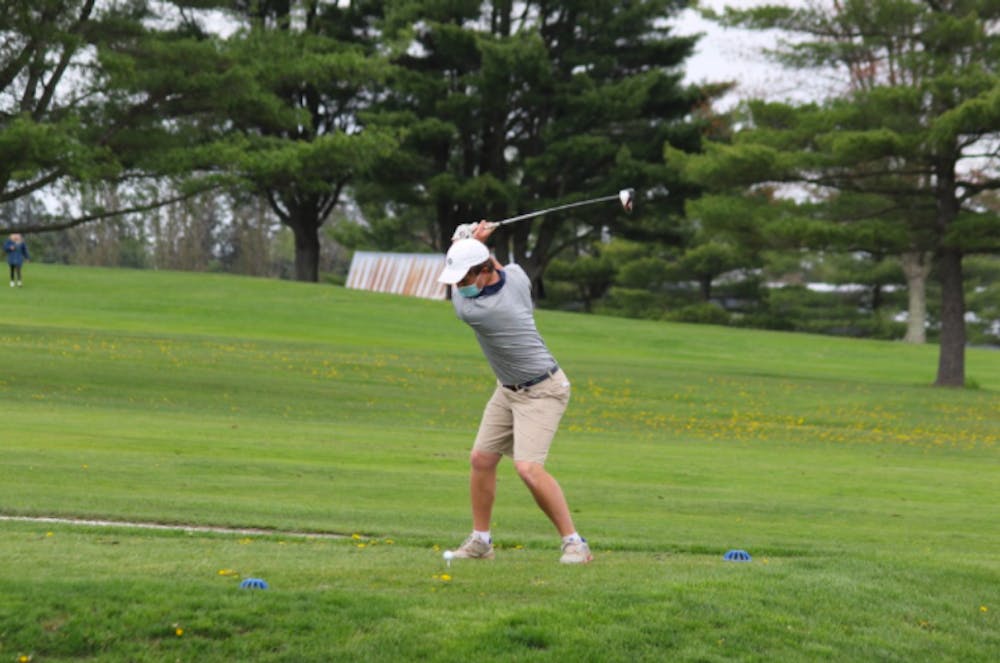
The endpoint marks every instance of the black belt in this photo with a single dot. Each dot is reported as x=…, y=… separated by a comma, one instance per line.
x=533, y=381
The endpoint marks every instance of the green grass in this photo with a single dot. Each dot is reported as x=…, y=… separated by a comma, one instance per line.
x=868, y=499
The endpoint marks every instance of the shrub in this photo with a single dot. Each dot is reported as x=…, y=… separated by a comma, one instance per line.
x=705, y=313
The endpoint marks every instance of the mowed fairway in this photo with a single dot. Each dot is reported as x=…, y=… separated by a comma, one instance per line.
x=869, y=500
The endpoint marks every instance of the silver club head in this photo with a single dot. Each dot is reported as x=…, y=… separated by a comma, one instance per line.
x=626, y=196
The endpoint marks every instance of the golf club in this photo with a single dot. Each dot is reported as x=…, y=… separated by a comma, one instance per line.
x=625, y=197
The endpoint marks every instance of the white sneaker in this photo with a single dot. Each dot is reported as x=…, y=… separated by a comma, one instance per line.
x=12, y=284
x=574, y=552
x=18, y=284
x=474, y=548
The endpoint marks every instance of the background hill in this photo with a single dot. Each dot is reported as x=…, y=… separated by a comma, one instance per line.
x=866, y=497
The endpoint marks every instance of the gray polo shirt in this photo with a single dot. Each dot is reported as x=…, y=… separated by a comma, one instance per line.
x=504, y=322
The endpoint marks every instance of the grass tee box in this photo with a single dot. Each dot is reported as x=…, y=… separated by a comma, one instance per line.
x=866, y=498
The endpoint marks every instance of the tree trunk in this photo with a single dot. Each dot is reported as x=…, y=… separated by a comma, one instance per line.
x=951, y=358
x=705, y=287
x=877, y=299
x=306, y=251
x=916, y=267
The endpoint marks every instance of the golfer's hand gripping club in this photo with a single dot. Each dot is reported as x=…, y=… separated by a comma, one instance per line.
x=480, y=231
x=483, y=230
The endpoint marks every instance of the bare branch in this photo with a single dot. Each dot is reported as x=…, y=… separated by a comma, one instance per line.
x=64, y=59
x=103, y=214
x=14, y=194
x=48, y=92
x=35, y=70
x=278, y=208
x=973, y=189
x=327, y=207
x=10, y=72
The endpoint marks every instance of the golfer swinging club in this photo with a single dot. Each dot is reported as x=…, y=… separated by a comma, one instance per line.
x=523, y=414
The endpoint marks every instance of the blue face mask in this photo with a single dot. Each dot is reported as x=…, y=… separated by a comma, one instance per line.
x=469, y=291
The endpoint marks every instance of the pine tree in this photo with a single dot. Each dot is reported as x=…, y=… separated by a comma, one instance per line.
x=67, y=115
x=899, y=159
x=316, y=67
x=513, y=107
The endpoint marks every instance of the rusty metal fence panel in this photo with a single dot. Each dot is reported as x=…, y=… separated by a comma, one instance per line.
x=413, y=274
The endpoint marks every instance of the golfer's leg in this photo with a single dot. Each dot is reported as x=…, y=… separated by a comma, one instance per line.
x=494, y=438
x=536, y=419
x=548, y=495
x=483, y=487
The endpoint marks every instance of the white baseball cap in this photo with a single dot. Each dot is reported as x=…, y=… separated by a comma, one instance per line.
x=463, y=255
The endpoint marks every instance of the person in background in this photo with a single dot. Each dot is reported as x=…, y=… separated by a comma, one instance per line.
x=531, y=395
x=17, y=255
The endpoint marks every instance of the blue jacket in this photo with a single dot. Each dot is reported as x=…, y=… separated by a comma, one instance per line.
x=16, y=253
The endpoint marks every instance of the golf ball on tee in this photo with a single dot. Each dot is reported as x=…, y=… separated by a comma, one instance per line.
x=448, y=555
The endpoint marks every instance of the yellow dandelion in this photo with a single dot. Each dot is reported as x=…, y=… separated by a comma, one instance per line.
x=983, y=608
x=362, y=545
x=445, y=577
x=227, y=572
x=49, y=534
x=24, y=658
x=356, y=537
x=179, y=632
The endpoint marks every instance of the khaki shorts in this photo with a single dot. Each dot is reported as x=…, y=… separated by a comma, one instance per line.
x=521, y=424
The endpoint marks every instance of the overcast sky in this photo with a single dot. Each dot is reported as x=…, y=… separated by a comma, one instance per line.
x=722, y=55
x=736, y=55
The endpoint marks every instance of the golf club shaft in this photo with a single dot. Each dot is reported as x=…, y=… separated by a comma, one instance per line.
x=531, y=215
